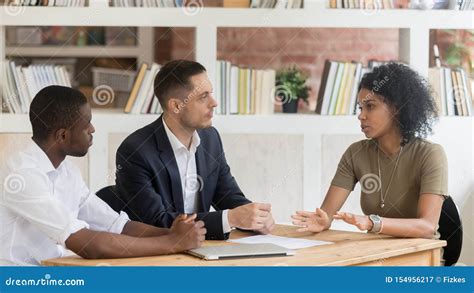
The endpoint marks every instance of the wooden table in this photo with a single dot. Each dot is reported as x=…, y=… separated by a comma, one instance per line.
x=349, y=249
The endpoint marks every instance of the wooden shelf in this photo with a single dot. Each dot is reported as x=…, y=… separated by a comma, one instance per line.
x=222, y=17
x=69, y=51
x=276, y=123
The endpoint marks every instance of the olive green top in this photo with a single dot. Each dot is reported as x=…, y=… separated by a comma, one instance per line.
x=422, y=168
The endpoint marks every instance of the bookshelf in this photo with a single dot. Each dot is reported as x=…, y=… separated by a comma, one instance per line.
x=89, y=51
x=413, y=25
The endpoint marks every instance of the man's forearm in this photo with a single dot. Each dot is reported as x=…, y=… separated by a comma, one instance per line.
x=137, y=229
x=93, y=244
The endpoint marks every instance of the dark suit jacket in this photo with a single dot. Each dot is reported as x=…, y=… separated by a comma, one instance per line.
x=148, y=179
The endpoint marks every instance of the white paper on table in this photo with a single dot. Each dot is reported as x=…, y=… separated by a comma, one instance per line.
x=286, y=242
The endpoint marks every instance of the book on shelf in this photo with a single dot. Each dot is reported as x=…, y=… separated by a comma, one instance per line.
x=463, y=4
x=146, y=3
x=452, y=91
x=142, y=99
x=339, y=84
x=362, y=4
x=282, y=4
x=244, y=90
x=236, y=3
x=64, y=3
x=338, y=90
x=277, y=4
x=22, y=83
x=394, y=4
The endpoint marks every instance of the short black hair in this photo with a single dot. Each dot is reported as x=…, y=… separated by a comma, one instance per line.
x=410, y=93
x=54, y=107
x=174, y=76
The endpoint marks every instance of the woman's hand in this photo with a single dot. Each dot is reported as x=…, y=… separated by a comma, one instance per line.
x=311, y=221
x=361, y=222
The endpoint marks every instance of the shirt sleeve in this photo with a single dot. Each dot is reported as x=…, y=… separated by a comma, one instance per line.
x=98, y=214
x=434, y=172
x=27, y=194
x=345, y=176
x=226, y=228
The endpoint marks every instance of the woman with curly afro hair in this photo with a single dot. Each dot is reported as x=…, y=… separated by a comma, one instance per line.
x=403, y=177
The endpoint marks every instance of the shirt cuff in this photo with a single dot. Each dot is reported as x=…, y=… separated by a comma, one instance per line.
x=225, y=222
x=119, y=223
x=73, y=226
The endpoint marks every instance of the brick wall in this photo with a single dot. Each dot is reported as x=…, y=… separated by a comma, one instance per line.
x=275, y=48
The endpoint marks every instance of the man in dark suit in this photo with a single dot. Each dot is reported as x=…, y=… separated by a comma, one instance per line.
x=177, y=163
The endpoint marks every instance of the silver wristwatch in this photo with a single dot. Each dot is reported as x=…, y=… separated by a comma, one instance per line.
x=377, y=224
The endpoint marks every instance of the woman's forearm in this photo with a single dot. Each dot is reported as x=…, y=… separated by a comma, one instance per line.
x=413, y=228
x=333, y=201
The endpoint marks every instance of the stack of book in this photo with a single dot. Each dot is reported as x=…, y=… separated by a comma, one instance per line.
x=339, y=83
x=226, y=3
x=238, y=90
x=362, y=4
x=65, y=3
x=338, y=89
x=142, y=98
x=22, y=83
x=464, y=5
x=147, y=3
x=452, y=91
x=279, y=4
x=241, y=90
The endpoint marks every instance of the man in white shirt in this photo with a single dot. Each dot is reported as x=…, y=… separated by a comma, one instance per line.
x=177, y=163
x=46, y=207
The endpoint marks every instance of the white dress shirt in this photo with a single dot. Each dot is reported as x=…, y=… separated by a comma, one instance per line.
x=191, y=182
x=42, y=206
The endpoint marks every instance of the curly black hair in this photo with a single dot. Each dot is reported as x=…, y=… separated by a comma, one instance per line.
x=410, y=93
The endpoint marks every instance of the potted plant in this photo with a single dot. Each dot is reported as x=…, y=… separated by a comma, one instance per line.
x=458, y=53
x=290, y=87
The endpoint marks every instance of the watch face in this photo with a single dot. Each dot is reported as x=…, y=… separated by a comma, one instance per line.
x=377, y=223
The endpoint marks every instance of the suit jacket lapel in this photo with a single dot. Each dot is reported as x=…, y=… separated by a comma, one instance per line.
x=169, y=161
x=201, y=167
